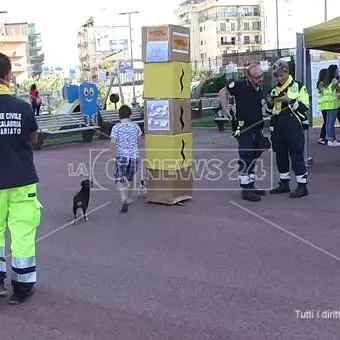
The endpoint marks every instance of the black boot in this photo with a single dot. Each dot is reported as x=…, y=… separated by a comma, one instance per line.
x=21, y=292
x=258, y=192
x=282, y=188
x=248, y=194
x=300, y=191
x=17, y=299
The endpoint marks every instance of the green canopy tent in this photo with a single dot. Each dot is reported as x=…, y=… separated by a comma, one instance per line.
x=325, y=36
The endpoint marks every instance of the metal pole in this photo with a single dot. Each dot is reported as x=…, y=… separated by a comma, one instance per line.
x=134, y=101
x=326, y=10
x=277, y=26
x=132, y=64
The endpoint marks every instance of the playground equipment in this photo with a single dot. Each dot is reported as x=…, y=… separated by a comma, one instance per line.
x=70, y=103
x=83, y=118
x=81, y=114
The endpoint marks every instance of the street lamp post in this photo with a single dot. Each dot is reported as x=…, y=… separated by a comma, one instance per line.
x=134, y=101
x=277, y=26
x=326, y=10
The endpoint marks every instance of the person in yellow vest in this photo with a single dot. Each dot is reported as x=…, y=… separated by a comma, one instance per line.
x=320, y=90
x=288, y=104
x=331, y=103
x=19, y=206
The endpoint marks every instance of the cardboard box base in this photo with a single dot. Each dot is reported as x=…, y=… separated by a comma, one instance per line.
x=169, y=187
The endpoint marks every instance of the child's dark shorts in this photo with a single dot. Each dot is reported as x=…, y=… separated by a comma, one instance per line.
x=125, y=169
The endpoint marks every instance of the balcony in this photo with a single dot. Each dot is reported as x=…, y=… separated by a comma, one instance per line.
x=226, y=43
x=39, y=59
x=235, y=30
x=82, y=45
x=255, y=14
x=13, y=39
x=35, y=49
x=226, y=15
x=251, y=42
x=32, y=38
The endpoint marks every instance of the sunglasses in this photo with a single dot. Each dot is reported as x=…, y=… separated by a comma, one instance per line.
x=280, y=66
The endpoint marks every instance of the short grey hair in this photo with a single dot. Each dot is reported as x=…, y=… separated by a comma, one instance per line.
x=251, y=67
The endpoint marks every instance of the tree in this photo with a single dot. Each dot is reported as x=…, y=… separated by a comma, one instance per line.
x=51, y=83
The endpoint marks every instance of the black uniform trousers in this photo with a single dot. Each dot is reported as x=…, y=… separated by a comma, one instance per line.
x=249, y=151
x=288, y=141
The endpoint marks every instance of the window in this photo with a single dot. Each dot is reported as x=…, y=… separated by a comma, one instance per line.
x=201, y=29
x=233, y=40
x=202, y=43
x=257, y=11
x=202, y=55
x=257, y=25
x=232, y=26
x=246, y=26
x=223, y=27
x=246, y=10
x=257, y=39
x=246, y=40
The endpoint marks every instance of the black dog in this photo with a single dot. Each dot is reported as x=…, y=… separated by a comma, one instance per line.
x=82, y=199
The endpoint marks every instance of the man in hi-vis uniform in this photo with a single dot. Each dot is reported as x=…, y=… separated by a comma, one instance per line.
x=19, y=206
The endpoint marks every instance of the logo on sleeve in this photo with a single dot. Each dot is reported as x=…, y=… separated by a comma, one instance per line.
x=231, y=85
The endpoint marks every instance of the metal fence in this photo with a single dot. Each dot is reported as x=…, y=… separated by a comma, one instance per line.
x=241, y=59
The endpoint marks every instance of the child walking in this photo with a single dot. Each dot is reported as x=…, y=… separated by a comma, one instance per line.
x=125, y=147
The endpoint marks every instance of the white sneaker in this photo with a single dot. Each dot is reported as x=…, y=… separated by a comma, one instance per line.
x=333, y=144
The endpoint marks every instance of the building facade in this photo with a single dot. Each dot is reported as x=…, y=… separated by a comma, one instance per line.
x=15, y=47
x=99, y=44
x=34, y=55
x=89, y=52
x=222, y=26
x=35, y=48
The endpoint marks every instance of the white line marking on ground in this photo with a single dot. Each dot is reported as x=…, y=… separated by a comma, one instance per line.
x=66, y=225
x=286, y=231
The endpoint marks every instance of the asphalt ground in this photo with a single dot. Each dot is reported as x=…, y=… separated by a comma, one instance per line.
x=215, y=268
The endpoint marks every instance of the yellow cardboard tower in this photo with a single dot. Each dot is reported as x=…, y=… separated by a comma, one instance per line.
x=167, y=80
x=168, y=134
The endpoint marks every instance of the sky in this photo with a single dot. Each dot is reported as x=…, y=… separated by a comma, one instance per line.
x=59, y=23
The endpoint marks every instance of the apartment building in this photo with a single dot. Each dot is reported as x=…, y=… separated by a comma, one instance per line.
x=91, y=53
x=37, y=56
x=27, y=58
x=15, y=47
x=222, y=26
x=99, y=44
